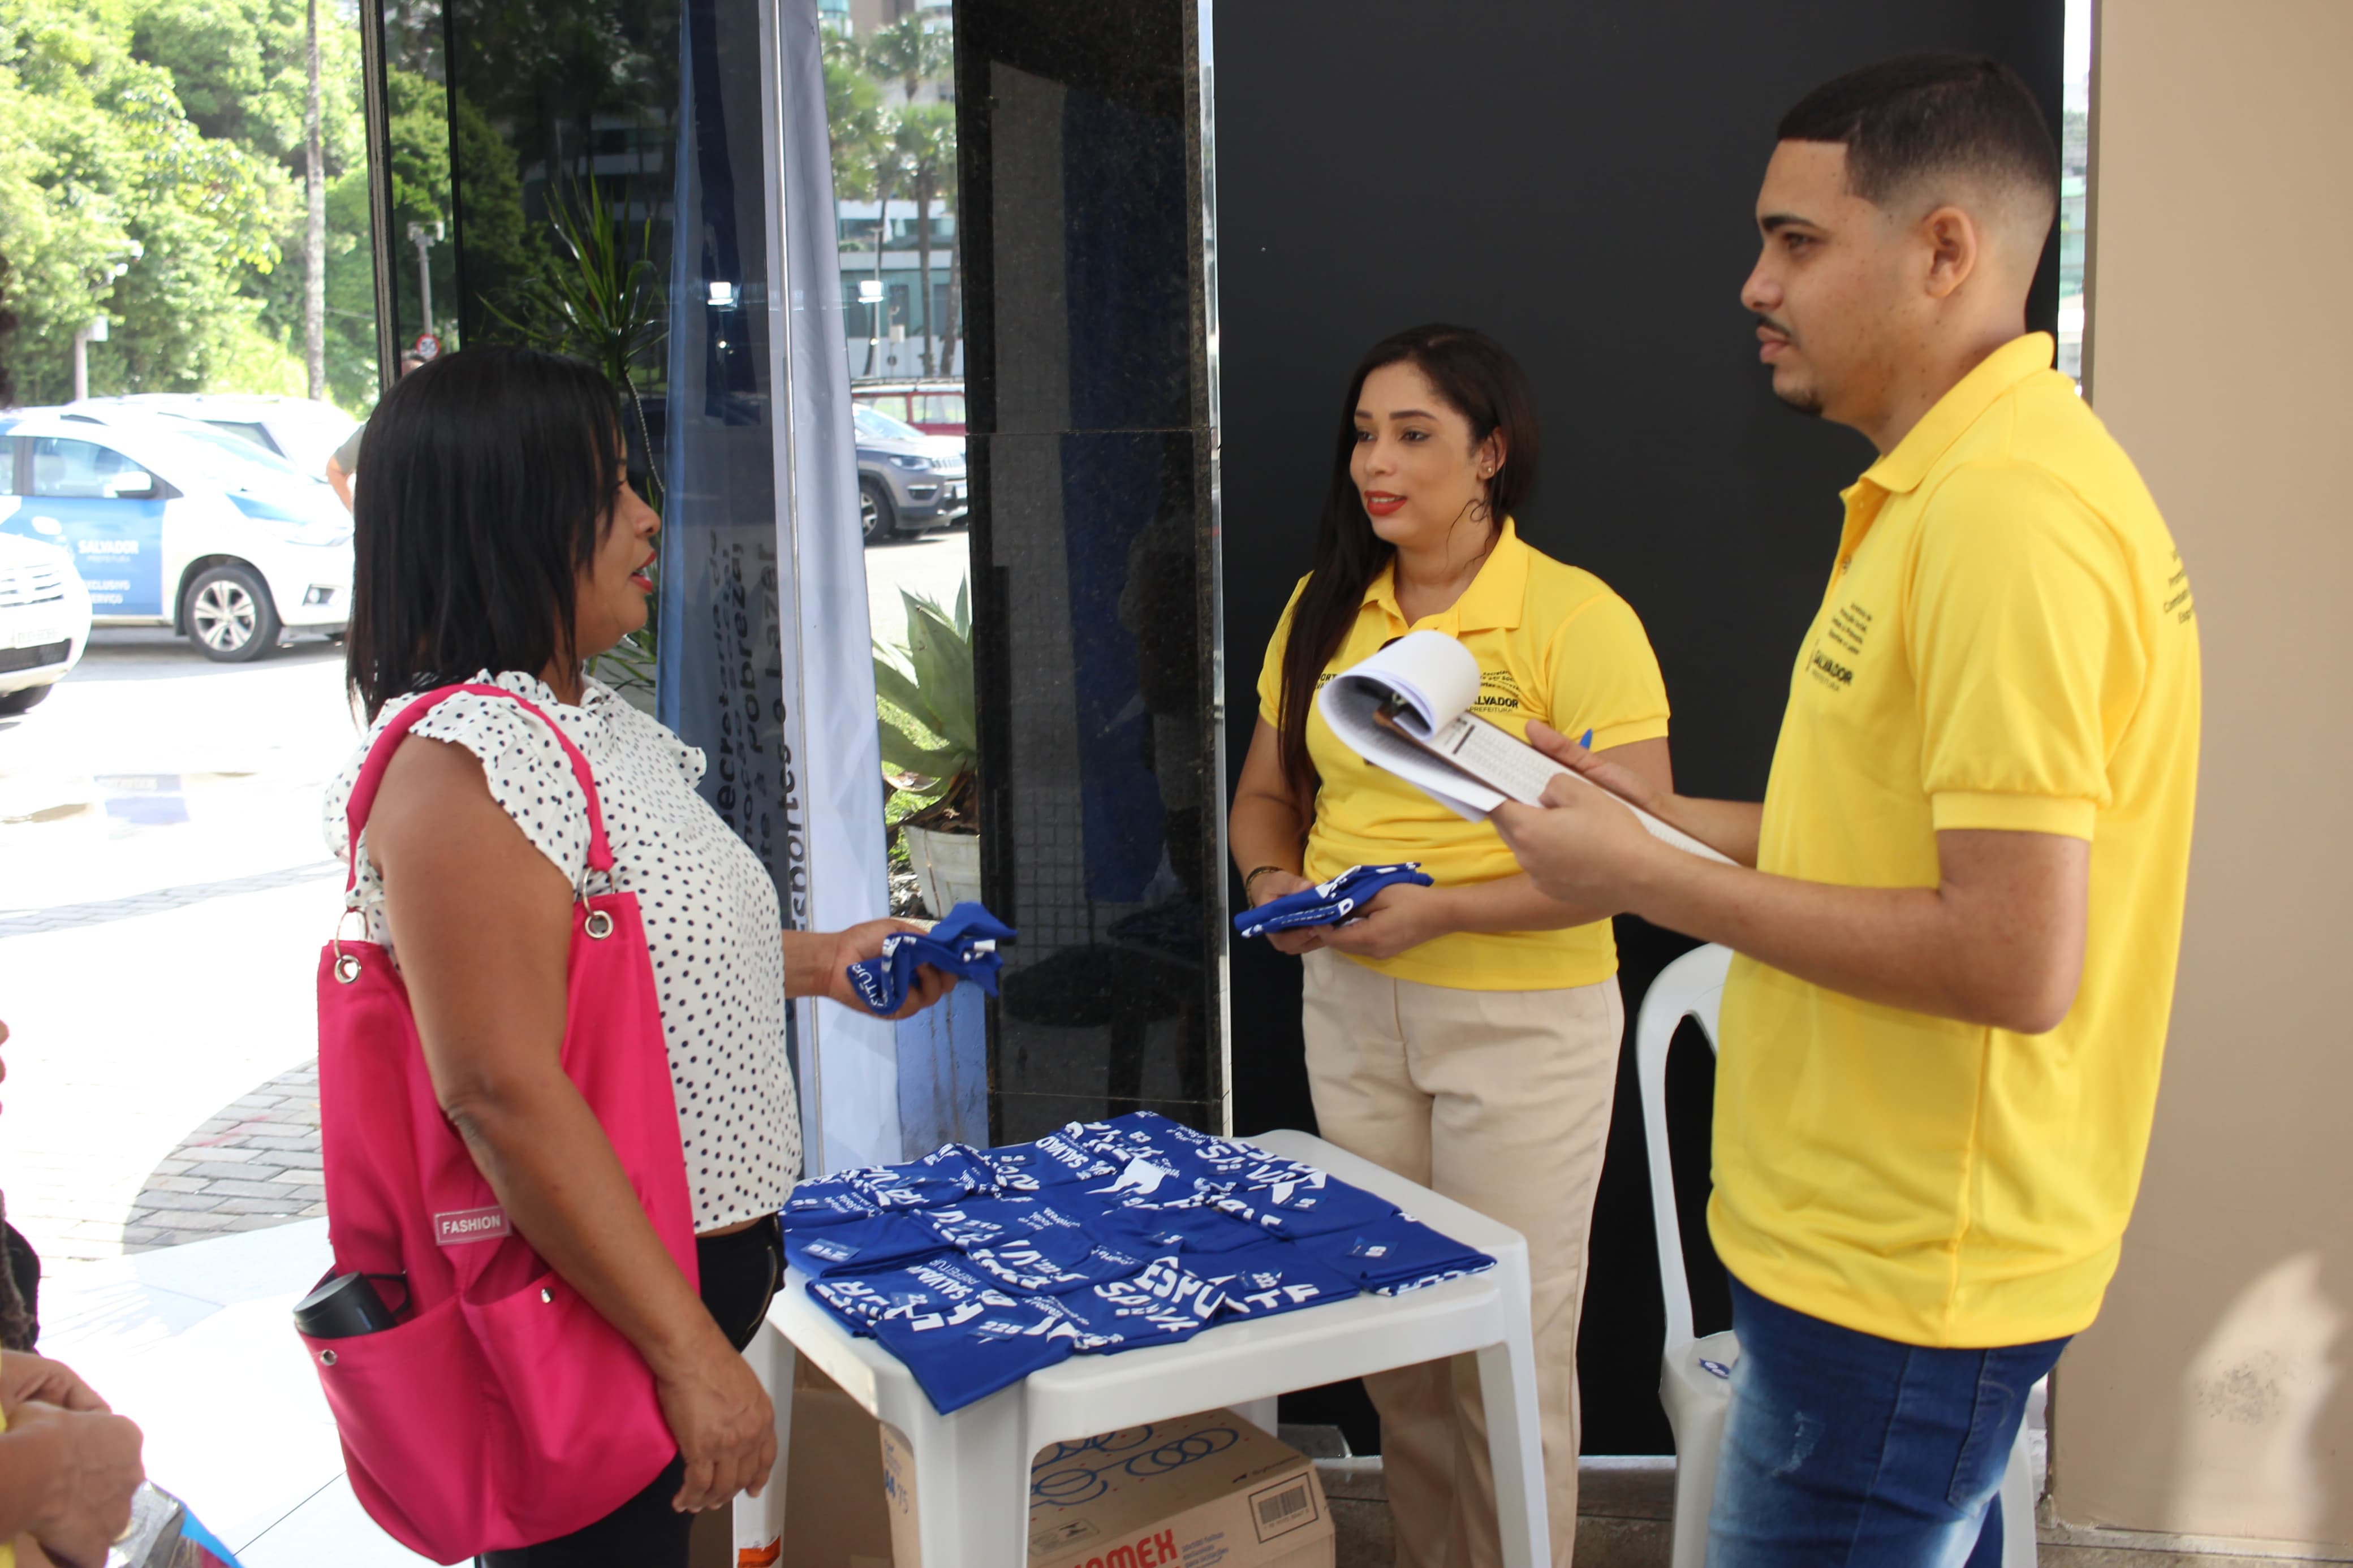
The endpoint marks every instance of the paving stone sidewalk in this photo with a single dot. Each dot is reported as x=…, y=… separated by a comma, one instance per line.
x=254, y=1164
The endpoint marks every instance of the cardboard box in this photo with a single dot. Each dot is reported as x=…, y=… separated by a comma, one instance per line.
x=834, y=1508
x=1202, y=1491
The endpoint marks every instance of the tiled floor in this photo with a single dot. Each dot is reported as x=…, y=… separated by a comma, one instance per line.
x=257, y=1160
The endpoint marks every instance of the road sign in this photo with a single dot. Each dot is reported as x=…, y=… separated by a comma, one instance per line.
x=427, y=345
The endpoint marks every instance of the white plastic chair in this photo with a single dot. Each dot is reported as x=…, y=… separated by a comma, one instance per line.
x=1697, y=1398
x=972, y=1467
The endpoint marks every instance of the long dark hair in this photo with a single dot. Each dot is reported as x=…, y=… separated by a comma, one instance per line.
x=1476, y=377
x=487, y=480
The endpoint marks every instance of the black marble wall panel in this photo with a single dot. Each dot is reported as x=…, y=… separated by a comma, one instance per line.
x=1093, y=604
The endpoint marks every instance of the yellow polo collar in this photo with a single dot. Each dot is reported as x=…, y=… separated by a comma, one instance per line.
x=1903, y=468
x=1493, y=601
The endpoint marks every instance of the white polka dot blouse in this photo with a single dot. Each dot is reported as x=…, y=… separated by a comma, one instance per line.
x=708, y=905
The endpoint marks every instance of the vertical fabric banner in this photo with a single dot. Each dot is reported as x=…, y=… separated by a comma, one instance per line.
x=764, y=658
x=849, y=1062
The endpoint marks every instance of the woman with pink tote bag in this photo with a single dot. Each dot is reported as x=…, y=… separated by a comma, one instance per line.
x=544, y=896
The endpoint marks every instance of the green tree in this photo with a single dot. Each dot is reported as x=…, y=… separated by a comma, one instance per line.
x=114, y=200
x=927, y=150
x=853, y=123
x=353, y=374
x=910, y=51
x=243, y=72
x=887, y=163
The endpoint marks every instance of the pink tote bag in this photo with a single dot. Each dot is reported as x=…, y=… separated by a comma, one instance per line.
x=503, y=1409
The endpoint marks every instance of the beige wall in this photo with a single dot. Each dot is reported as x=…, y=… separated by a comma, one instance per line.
x=2210, y=1397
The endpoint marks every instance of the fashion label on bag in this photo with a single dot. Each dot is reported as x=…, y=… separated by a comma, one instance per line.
x=499, y=1409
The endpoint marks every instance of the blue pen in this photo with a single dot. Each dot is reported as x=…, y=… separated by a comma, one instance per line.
x=1588, y=741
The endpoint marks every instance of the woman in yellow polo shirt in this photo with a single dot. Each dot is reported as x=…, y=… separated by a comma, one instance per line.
x=1463, y=1035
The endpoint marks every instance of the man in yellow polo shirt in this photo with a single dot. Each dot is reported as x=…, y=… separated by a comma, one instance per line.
x=1941, y=1036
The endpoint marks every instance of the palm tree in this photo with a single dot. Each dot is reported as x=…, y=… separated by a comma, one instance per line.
x=852, y=118
x=314, y=228
x=927, y=147
x=888, y=164
x=912, y=51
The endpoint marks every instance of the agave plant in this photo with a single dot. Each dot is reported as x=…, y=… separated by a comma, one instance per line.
x=931, y=743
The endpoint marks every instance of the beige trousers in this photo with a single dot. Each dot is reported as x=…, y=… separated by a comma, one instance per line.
x=1499, y=1099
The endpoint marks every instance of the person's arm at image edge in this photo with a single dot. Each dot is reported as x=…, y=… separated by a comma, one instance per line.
x=482, y=921
x=68, y=1465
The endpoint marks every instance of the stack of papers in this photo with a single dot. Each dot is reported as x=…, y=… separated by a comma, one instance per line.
x=1407, y=709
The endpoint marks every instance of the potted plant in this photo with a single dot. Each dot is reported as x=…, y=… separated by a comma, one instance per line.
x=931, y=748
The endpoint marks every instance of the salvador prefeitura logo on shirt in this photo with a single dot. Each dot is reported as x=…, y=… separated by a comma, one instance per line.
x=1838, y=651
x=1499, y=691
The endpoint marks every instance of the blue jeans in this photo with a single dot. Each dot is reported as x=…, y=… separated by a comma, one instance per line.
x=1842, y=1447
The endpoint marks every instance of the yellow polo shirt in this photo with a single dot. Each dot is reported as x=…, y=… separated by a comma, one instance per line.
x=2007, y=641
x=1553, y=642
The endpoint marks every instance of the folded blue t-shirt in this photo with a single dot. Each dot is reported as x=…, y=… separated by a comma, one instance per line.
x=1272, y=1277
x=1327, y=903
x=827, y=1200
x=1396, y=1255
x=1124, y=1137
x=1002, y=1341
x=985, y=1222
x=1048, y=1262
x=1163, y=1305
x=881, y=1242
x=1052, y=1160
x=935, y=1285
x=947, y=1174
x=1145, y=1183
x=1197, y=1228
x=1203, y=1158
x=964, y=946
x=1302, y=1205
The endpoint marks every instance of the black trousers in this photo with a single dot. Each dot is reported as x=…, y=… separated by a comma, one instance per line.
x=740, y=1273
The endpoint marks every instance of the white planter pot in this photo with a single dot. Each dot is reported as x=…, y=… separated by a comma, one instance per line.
x=947, y=866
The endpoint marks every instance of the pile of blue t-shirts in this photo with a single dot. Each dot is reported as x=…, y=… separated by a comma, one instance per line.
x=963, y=945
x=1327, y=903
x=978, y=1266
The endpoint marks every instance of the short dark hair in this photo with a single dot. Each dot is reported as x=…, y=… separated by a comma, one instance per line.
x=491, y=474
x=1917, y=115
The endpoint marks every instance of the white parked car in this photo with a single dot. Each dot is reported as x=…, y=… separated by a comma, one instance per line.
x=44, y=616
x=303, y=432
x=176, y=529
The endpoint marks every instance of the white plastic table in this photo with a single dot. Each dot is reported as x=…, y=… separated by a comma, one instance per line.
x=972, y=1468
